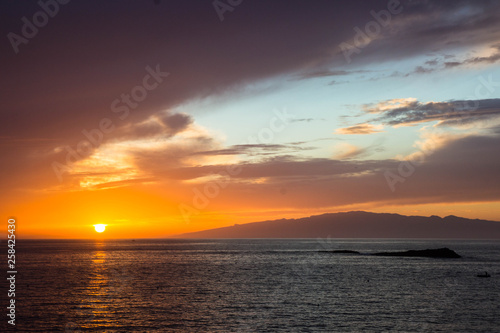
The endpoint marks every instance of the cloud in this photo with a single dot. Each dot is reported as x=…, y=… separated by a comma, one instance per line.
x=453, y=113
x=135, y=152
x=334, y=82
x=176, y=123
x=307, y=120
x=75, y=90
x=455, y=169
x=461, y=169
x=388, y=105
x=451, y=64
x=439, y=64
x=360, y=129
x=489, y=59
x=287, y=167
x=255, y=149
x=328, y=73
x=161, y=124
x=347, y=151
x=430, y=26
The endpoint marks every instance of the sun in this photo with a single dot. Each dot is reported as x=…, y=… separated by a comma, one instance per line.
x=100, y=227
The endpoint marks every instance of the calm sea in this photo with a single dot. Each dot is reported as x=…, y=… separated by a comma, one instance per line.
x=253, y=286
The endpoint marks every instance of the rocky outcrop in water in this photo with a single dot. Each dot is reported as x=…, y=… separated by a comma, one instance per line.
x=341, y=251
x=430, y=253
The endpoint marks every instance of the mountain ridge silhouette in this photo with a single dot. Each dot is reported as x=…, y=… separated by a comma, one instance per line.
x=359, y=224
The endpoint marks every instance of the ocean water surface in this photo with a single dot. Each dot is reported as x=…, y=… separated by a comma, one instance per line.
x=253, y=286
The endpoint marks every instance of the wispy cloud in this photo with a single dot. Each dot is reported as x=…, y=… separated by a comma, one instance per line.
x=360, y=129
x=328, y=73
x=411, y=111
x=255, y=149
x=346, y=151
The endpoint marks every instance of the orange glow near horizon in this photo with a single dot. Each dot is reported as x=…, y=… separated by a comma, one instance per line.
x=147, y=213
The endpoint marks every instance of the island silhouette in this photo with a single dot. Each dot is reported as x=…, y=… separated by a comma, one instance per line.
x=359, y=224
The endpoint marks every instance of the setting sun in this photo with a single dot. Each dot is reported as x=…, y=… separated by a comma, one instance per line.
x=100, y=227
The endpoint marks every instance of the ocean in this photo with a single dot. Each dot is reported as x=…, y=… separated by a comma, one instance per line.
x=253, y=285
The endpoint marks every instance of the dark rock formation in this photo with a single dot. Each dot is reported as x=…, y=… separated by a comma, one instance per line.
x=430, y=253
x=342, y=251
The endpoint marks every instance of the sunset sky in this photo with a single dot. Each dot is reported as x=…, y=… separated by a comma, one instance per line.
x=163, y=117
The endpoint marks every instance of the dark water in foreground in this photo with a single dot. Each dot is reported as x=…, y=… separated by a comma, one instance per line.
x=253, y=286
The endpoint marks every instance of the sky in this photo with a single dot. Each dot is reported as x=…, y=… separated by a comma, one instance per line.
x=163, y=117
